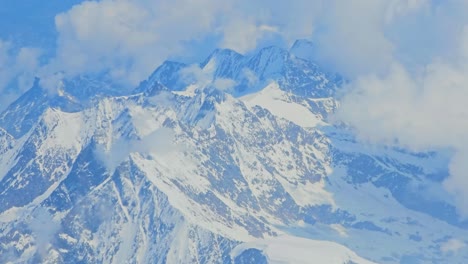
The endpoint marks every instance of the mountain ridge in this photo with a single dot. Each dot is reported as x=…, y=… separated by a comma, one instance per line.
x=198, y=169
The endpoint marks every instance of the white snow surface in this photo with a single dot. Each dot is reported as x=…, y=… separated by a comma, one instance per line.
x=295, y=250
x=279, y=104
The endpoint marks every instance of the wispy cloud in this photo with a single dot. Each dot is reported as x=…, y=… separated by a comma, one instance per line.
x=423, y=108
x=159, y=142
x=452, y=246
x=44, y=229
x=204, y=77
x=18, y=67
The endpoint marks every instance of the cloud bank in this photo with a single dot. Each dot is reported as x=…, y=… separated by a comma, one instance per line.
x=419, y=106
x=127, y=39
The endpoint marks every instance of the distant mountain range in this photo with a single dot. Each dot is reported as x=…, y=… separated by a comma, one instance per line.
x=233, y=160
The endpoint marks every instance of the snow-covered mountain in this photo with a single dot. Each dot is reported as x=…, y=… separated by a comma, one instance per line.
x=233, y=160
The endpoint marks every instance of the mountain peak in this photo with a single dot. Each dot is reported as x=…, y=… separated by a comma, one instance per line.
x=304, y=49
x=245, y=74
x=299, y=43
x=167, y=74
x=222, y=56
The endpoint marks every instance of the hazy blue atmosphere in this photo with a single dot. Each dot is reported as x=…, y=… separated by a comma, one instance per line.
x=180, y=131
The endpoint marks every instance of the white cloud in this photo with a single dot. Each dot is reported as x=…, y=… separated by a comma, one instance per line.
x=112, y=157
x=354, y=41
x=159, y=142
x=251, y=77
x=354, y=35
x=18, y=67
x=418, y=111
x=224, y=84
x=194, y=74
x=204, y=77
x=128, y=39
x=423, y=110
x=244, y=35
x=452, y=246
x=52, y=82
x=290, y=20
x=402, y=7
x=43, y=228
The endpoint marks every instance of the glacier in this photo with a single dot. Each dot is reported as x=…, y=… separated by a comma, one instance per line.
x=232, y=160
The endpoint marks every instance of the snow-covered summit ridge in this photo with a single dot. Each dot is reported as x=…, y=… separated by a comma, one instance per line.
x=249, y=73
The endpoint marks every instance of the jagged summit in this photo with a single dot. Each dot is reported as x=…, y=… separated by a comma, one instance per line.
x=248, y=74
x=304, y=49
x=70, y=95
x=222, y=56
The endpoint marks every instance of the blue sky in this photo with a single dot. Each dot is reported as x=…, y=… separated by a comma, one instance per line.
x=31, y=23
x=407, y=59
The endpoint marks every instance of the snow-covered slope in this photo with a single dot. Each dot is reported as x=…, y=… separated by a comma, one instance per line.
x=289, y=249
x=287, y=106
x=233, y=160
